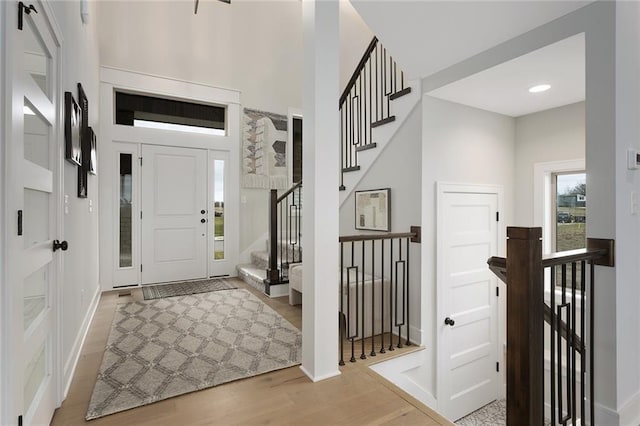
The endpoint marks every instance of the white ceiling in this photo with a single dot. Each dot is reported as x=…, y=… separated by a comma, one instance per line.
x=504, y=88
x=429, y=36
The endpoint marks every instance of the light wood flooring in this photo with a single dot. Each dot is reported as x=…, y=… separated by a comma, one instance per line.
x=358, y=396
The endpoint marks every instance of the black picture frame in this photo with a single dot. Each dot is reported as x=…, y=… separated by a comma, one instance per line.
x=72, y=126
x=93, y=154
x=373, y=210
x=83, y=191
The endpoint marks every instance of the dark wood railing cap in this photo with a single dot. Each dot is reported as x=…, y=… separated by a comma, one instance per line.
x=289, y=191
x=369, y=237
x=519, y=233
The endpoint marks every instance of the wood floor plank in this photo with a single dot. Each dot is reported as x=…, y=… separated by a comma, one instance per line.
x=284, y=397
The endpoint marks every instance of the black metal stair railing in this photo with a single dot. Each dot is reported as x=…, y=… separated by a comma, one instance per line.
x=365, y=103
x=374, y=293
x=285, y=234
x=565, y=342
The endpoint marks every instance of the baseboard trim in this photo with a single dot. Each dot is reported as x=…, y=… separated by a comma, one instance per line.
x=315, y=379
x=630, y=411
x=72, y=361
x=606, y=416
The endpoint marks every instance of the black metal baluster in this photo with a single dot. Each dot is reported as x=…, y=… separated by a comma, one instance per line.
x=341, y=326
x=362, y=320
x=583, y=354
x=574, y=417
x=382, y=350
x=408, y=342
x=391, y=301
x=591, y=343
x=377, y=85
x=373, y=298
x=280, y=241
x=287, y=230
x=369, y=120
x=342, y=148
x=359, y=115
x=351, y=337
x=552, y=325
x=398, y=323
x=401, y=80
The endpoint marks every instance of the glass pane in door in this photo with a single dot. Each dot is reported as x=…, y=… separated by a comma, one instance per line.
x=37, y=59
x=35, y=222
x=34, y=373
x=218, y=210
x=571, y=211
x=34, y=294
x=126, y=232
x=36, y=137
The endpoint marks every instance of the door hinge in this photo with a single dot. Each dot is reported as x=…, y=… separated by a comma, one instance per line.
x=140, y=214
x=140, y=160
x=20, y=420
x=22, y=9
x=498, y=367
x=497, y=291
x=497, y=216
x=141, y=267
x=19, y=222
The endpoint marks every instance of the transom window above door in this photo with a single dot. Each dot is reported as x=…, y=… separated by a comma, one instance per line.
x=169, y=114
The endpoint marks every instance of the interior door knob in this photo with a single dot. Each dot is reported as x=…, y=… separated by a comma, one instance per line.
x=449, y=321
x=60, y=245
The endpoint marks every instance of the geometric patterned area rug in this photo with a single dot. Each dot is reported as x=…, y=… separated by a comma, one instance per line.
x=184, y=288
x=162, y=348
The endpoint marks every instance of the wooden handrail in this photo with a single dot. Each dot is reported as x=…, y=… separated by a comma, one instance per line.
x=369, y=237
x=561, y=257
x=356, y=73
x=289, y=191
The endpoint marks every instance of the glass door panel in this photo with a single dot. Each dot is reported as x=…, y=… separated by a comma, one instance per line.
x=35, y=373
x=35, y=295
x=36, y=56
x=36, y=137
x=218, y=209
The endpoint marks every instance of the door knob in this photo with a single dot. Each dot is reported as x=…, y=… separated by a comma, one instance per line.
x=203, y=220
x=203, y=211
x=449, y=321
x=60, y=245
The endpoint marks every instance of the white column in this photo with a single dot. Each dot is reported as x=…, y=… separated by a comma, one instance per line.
x=320, y=189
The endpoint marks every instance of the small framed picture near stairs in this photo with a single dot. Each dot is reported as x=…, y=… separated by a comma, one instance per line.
x=373, y=210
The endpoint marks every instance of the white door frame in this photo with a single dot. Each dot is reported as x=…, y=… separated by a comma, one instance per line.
x=12, y=157
x=114, y=79
x=441, y=189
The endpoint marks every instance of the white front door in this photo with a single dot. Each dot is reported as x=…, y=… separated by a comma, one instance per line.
x=31, y=368
x=467, y=314
x=174, y=214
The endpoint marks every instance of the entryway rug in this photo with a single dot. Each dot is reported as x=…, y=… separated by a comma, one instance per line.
x=184, y=288
x=162, y=348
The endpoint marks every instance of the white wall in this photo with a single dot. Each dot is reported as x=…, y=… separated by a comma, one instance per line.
x=80, y=277
x=551, y=135
x=403, y=150
x=355, y=36
x=460, y=144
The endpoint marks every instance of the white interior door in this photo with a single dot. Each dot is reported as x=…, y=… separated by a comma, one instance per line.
x=31, y=365
x=174, y=214
x=467, y=317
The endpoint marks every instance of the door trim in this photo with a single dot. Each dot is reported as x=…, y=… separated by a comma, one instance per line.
x=441, y=189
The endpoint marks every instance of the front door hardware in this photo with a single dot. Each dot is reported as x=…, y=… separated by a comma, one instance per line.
x=449, y=321
x=19, y=222
x=22, y=9
x=60, y=245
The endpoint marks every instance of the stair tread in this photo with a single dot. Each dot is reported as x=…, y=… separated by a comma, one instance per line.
x=383, y=121
x=400, y=93
x=366, y=147
x=350, y=169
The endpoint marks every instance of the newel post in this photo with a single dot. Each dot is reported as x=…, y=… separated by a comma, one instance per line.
x=525, y=330
x=273, y=274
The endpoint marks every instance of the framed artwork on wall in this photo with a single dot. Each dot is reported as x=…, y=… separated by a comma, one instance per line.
x=93, y=155
x=72, y=125
x=373, y=210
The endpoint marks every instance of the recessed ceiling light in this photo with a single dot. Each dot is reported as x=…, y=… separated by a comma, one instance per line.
x=539, y=88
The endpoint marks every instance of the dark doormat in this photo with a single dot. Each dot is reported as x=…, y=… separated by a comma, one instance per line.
x=185, y=288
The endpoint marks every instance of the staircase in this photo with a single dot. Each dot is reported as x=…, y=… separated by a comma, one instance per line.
x=373, y=107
